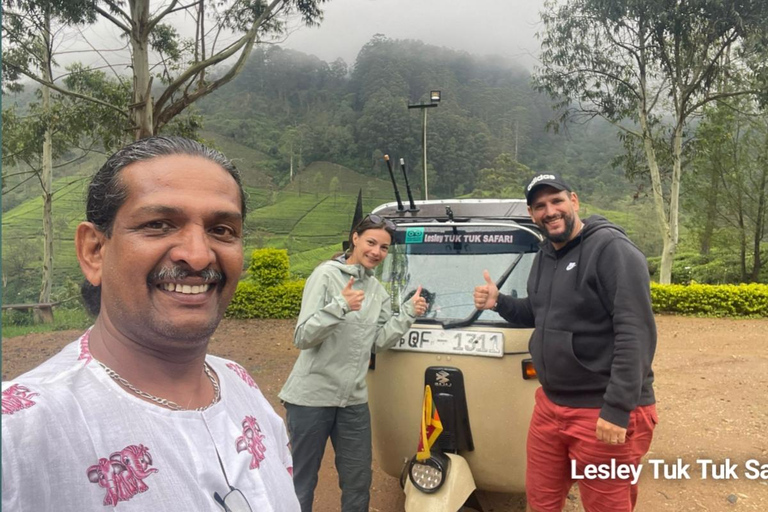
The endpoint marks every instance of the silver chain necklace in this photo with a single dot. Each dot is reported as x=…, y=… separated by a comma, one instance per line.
x=163, y=401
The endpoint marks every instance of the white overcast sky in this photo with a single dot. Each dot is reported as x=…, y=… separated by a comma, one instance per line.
x=481, y=27
x=504, y=27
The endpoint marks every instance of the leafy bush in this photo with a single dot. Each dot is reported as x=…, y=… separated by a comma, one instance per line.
x=711, y=300
x=269, y=267
x=254, y=301
x=18, y=318
x=267, y=292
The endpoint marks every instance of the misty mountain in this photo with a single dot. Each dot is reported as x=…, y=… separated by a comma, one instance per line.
x=298, y=109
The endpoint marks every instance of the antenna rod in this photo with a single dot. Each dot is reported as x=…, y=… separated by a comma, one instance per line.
x=408, y=186
x=400, y=207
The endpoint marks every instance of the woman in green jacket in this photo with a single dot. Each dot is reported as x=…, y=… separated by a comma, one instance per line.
x=345, y=314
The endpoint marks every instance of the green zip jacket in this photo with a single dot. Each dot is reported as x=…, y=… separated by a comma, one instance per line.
x=336, y=343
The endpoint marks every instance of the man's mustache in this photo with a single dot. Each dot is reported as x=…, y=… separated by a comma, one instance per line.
x=177, y=273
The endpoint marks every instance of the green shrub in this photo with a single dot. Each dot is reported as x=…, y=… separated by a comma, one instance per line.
x=267, y=292
x=18, y=318
x=269, y=267
x=711, y=300
x=254, y=301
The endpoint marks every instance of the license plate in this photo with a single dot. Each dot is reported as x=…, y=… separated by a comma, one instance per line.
x=465, y=343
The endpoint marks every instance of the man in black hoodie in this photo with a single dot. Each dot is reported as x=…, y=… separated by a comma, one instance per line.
x=592, y=347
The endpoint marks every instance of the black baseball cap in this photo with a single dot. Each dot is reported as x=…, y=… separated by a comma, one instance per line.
x=545, y=179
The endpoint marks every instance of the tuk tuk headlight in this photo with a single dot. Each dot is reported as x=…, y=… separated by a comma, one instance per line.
x=429, y=475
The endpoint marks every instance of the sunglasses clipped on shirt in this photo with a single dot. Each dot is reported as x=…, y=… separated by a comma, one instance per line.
x=233, y=501
x=381, y=220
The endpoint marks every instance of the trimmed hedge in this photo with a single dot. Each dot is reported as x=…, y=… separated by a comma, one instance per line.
x=267, y=292
x=711, y=300
x=269, y=267
x=254, y=301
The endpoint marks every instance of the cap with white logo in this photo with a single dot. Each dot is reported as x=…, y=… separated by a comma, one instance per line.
x=549, y=180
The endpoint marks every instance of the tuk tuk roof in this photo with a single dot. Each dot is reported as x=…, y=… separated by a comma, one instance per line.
x=462, y=210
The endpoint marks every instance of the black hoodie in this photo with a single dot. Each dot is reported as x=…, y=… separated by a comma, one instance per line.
x=595, y=335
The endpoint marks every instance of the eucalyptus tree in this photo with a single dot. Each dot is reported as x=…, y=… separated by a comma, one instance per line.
x=290, y=146
x=30, y=29
x=730, y=178
x=649, y=67
x=334, y=187
x=225, y=32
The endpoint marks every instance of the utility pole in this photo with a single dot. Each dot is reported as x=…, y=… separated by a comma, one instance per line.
x=434, y=100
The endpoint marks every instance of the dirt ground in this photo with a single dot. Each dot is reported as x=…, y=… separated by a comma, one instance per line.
x=711, y=388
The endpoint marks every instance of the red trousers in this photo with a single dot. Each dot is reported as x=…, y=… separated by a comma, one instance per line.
x=559, y=434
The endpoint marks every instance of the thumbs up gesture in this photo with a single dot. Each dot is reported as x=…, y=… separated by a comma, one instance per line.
x=354, y=298
x=486, y=295
x=419, y=302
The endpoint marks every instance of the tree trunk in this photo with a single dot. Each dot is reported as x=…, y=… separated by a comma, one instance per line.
x=46, y=178
x=711, y=211
x=670, y=246
x=141, y=108
x=668, y=252
x=742, y=244
x=516, y=139
x=760, y=222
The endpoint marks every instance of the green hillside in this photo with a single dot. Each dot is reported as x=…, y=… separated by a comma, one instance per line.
x=15, y=193
x=308, y=219
x=305, y=218
x=252, y=163
x=23, y=240
x=637, y=219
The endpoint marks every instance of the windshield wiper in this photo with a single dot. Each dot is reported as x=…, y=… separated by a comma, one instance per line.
x=477, y=312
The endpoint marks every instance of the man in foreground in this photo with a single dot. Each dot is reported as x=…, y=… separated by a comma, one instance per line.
x=135, y=413
x=592, y=347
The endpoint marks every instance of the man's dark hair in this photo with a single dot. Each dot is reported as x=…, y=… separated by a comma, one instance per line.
x=107, y=191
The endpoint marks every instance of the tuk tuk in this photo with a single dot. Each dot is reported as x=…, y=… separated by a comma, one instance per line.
x=477, y=367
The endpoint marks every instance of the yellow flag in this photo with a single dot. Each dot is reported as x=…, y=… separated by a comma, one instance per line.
x=431, y=426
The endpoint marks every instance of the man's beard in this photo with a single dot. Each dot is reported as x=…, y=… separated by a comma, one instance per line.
x=570, y=221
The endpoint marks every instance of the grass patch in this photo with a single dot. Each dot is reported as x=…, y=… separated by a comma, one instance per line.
x=18, y=323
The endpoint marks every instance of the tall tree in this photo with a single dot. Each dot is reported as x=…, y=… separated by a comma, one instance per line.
x=158, y=51
x=730, y=180
x=289, y=146
x=28, y=52
x=648, y=66
x=334, y=188
x=506, y=178
x=30, y=28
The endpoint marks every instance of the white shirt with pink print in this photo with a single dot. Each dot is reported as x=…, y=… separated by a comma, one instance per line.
x=74, y=440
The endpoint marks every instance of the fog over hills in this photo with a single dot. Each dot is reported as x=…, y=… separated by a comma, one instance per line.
x=483, y=27
x=503, y=27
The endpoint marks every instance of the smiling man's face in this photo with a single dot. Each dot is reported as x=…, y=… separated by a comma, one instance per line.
x=171, y=265
x=556, y=213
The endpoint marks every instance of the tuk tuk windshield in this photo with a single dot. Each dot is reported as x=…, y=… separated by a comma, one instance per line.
x=448, y=262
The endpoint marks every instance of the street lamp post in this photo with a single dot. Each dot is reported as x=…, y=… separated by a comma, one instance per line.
x=434, y=99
